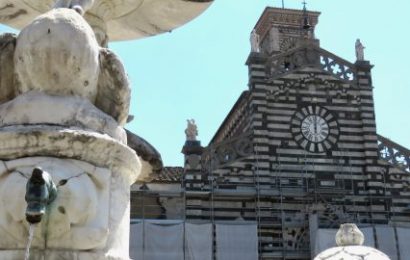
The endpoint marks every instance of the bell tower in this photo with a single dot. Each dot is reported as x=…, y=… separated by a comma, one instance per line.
x=282, y=29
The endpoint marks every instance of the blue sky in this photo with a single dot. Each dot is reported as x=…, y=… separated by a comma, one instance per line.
x=197, y=71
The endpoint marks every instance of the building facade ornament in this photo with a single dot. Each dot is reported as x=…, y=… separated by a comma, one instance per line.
x=191, y=131
x=359, y=50
x=255, y=41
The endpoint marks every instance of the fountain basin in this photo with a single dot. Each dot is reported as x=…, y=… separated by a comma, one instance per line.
x=122, y=20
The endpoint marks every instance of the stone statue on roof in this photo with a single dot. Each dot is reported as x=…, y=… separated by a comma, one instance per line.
x=359, y=50
x=191, y=131
x=255, y=41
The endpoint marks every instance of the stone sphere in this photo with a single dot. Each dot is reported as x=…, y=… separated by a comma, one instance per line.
x=352, y=253
x=58, y=54
x=350, y=239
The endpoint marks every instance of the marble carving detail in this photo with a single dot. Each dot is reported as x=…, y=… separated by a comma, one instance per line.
x=63, y=103
x=310, y=56
x=40, y=52
x=79, y=216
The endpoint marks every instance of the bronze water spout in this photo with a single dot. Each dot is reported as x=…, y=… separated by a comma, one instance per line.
x=40, y=192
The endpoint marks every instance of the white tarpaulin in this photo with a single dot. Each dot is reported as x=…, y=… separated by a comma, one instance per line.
x=136, y=235
x=368, y=236
x=163, y=241
x=403, y=235
x=236, y=242
x=198, y=241
x=387, y=241
x=325, y=238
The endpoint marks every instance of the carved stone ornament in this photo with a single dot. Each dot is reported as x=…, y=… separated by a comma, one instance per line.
x=63, y=102
x=394, y=154
x=57, y=54
x=191, y=131
x=79, y=216
x=310, y=56
x=349, y=235
x=359, y=50
x=349, y=240
x=228, y=151
x=255, y=41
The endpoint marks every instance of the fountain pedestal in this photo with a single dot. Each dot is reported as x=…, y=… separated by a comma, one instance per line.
x=89, y=219
x=63, y=103
x=64, y=112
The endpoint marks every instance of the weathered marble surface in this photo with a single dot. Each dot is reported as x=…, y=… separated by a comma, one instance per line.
x=77, y=219
x=57, y=54
x=350, y=240
x=91, y=211
x=63, y=102
x=352, y=253
x=75, y=113
x=7, y=46
x=150, y=158
x=45, y=140
x=80, y=6
x=72, y=112
x=124, y=19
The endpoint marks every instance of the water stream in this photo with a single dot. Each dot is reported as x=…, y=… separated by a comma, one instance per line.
x=30, y=239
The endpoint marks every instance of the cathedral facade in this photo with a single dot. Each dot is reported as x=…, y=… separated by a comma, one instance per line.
x=297, y=155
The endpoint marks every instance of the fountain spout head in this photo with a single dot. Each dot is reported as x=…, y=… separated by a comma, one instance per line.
x=40, y=192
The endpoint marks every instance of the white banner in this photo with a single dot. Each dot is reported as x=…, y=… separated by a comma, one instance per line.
x=387, y=241
x=136, y=240
x=198, y=241
x=163, y=241
x=236, y=242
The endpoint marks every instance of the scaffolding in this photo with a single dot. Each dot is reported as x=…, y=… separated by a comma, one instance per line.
x=278, y=200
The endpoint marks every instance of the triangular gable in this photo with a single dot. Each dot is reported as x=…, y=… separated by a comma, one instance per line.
x=311, y=56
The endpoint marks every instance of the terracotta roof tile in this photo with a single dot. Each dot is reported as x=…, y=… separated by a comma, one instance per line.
x=169, y=175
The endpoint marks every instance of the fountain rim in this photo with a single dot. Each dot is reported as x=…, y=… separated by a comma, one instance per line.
x=144, y=18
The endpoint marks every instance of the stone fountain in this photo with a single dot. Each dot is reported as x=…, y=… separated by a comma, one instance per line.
x=349, y=240
x=64, y=161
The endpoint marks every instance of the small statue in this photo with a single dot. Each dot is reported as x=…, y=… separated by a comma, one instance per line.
x=349, y=235
x=255, y=41
x=359, y=50
x=191, y=131
x=80, y=6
